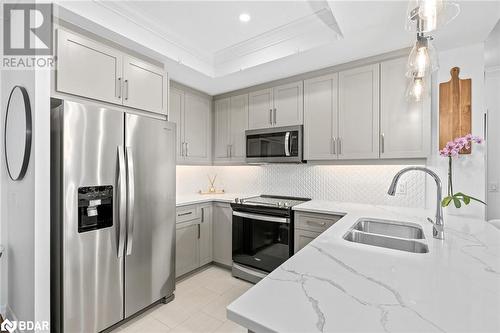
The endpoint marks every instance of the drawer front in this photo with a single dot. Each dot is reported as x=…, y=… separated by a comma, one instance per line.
x=187, y=213
x=315, y=222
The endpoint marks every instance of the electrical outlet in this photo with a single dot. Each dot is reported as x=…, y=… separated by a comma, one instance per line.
x=402, y=188
x=493, y=187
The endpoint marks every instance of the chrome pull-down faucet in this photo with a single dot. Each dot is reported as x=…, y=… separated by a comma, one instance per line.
x=438, y=225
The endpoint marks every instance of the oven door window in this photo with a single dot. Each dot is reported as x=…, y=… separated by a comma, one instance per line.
x=260, y=244
x=273, y=144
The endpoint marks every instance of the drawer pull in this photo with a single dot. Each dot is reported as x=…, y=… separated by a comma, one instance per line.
x=321, y=224
x=184, y=214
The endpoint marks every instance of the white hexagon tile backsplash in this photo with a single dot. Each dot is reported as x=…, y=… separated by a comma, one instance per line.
x=358, y=183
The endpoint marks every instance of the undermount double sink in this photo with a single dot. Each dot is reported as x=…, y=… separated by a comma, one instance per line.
x=402, y=236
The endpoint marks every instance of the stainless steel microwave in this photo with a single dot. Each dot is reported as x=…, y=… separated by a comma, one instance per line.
x=274, y=145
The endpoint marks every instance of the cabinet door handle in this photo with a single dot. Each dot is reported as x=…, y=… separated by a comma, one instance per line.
x=125, y=88
x=274, y=116
x=382, y=143
x=119, y=88
x=339, y=142
x=271, y=116
x=334, y=144
x=202, y=214
x=230, y=150
x=321, y=224
x=187, y=148
x=184, y=214
x=199, y=231
x=182, y=149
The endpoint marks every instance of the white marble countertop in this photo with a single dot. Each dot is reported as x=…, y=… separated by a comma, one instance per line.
x=333, y=285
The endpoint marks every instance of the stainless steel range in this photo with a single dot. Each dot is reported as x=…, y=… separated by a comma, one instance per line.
x=262, y=234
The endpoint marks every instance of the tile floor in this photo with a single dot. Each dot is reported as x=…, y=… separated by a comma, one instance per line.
x=199, y=306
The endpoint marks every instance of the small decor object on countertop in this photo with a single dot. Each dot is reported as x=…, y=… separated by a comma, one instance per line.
x=211, y=188
x=451, y=150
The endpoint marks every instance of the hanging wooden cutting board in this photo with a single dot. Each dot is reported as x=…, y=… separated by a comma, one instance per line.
x=455, y=110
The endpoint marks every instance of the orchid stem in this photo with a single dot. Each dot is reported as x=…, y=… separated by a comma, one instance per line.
x=450, y=177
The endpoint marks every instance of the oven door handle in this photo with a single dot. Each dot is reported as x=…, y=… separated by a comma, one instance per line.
x=287, y=144
x=259, y=217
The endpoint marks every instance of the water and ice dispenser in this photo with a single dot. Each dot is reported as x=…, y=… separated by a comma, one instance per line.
x=95, y=208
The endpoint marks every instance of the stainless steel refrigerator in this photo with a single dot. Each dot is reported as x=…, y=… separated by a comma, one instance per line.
x=113, y=214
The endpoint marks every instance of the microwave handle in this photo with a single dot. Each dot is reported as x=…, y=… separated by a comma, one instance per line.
x=287, y=144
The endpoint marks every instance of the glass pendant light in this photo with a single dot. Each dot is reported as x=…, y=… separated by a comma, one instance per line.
x=423, y=58
x=429, y=15
x=416, y=89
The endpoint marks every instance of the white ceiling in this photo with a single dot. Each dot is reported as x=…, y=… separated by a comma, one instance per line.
x=205, y=46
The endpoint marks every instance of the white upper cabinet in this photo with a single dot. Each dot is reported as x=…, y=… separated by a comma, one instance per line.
x=221, y=129
x=143, y=86
x=197, y=143
x=288, y=104
x=279, y=106
x=359, y=113
x=93, y=70
x=175, y=114
x=87, y=68
x=231, y=121
x=405, y=127
x=238, y=124
x=191, y=113
x=320, y=117
x=260, y=109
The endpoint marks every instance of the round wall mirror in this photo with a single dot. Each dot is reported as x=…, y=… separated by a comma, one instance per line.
x=17, y=139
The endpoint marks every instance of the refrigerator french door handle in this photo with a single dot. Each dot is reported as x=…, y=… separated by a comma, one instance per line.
x=287, y=144
x=131, y=199
x=122, y=202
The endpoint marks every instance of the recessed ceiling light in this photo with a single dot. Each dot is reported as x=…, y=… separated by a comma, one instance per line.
x=244, y=17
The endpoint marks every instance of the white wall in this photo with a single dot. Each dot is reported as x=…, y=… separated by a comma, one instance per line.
x=17, y=219
x=24, y=206
x=470, y=174
x=492, y=82
x=493, y=139
x=349, y=183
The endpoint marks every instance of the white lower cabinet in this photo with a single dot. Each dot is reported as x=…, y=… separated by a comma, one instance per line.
x=304, y=237
x=308, y=226
x=223, y=238
x=203, y=235
x=206, y=235
x=193, y=238
x=186, y=247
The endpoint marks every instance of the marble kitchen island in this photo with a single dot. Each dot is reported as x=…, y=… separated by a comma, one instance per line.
x=333, y=285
